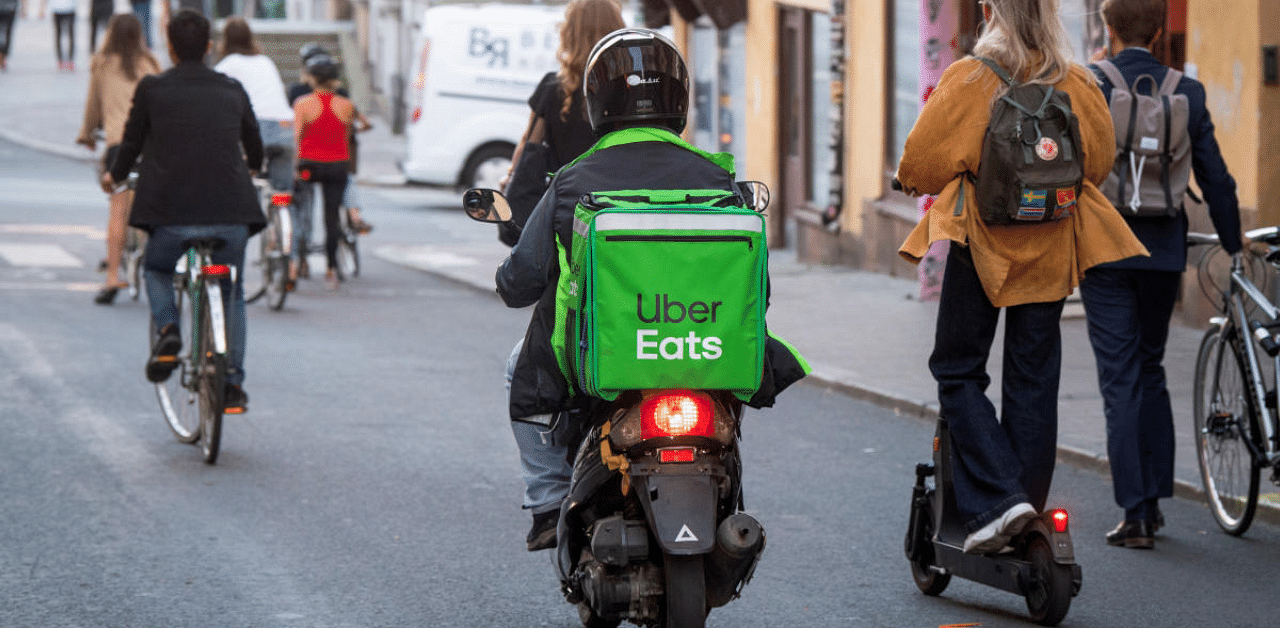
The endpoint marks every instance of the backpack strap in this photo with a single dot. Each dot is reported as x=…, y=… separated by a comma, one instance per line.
x=1113, y=74
x=1166, y=155
x=1170, y=82
x=1000, y=72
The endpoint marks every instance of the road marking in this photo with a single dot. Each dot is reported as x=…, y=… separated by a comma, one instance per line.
x=40, y=255
x=88, y=231
x=50, y=285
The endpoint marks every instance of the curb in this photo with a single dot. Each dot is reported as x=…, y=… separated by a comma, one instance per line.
x=68, y=152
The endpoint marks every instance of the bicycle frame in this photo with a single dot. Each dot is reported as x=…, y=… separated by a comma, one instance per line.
x=1235, y=316
x=197, y=282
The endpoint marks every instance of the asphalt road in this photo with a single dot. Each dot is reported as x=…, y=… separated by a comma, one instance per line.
x=374, y=481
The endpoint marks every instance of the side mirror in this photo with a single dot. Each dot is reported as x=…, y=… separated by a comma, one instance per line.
x=755, y=193
x=486, y=205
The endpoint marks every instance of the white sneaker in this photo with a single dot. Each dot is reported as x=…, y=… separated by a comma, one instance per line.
x=995, y=535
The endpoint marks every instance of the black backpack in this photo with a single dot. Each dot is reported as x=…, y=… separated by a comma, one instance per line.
x=1031, y=169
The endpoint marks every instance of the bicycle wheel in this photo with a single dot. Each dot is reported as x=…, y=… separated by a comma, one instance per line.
x=1225, y=425
x=210, y=385
x=348, y=252
x=135, y=243
x=256, y=276
x=686, y=592
x=178, y=401
x=275, y=263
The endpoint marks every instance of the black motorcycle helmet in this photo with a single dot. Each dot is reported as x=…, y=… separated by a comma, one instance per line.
x=635, y=75
x=310, y=50
x=322, y=68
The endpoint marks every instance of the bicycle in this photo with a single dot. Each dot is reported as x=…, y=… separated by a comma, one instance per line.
x=192, y=397
x=1237, y=422
x=348, y=254
x=275, y=245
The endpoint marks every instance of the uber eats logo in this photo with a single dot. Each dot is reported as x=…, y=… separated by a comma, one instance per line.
x=663, y=309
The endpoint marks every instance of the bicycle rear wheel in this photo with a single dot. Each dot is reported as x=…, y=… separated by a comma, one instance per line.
x=348, y=251
x=1226, y=424
x=275, y=262
x=178, y=401
x=135, y=244
x=210, y=385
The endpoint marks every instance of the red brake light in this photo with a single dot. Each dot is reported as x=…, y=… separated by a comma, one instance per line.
x=280, y=199
x=1060, y=518
x=216, y=270
x=677, y=413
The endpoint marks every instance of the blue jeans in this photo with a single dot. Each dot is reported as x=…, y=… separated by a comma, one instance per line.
x=142, y=9
x=1128, y=313
x=165, y=247
x=544, y=456
x=996, y=462
x=280, y=167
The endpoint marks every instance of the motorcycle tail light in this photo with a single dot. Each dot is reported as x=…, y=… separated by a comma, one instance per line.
x=1060, y=518
x=281, y=199
x=677, y=413
x=216, y=270
x=676, y=454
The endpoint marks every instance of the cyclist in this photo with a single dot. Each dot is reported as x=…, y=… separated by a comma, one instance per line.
x=634, y=78
x=196, y=127
x=243, y=60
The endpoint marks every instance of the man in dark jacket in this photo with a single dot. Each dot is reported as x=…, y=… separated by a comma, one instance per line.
x=195, y=127
x=634, y=78
x=1129, y=303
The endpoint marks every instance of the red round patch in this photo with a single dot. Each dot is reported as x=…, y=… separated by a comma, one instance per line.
x=1047, y=149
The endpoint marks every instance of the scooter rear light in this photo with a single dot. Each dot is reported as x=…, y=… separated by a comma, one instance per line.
x=281, y=199
x=1060, y=519
x=676, y=454
x=677, y=413
x=216, y=270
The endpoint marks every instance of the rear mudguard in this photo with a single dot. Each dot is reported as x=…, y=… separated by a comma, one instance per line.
x=681, y=510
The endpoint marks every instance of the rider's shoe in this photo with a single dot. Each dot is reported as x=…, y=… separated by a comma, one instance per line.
x=234, y=400
x=164, y=355
x=542, y=535
x=995, y=535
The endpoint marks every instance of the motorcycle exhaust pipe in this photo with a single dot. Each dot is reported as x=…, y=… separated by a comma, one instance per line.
x=739, y=542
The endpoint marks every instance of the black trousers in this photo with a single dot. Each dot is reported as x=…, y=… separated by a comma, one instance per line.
x=332, y=177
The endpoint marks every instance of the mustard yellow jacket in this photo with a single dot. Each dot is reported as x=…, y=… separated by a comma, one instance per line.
x=1017, y=264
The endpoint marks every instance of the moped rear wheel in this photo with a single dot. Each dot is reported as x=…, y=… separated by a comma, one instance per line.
x=686, y=592
x=1049, y=592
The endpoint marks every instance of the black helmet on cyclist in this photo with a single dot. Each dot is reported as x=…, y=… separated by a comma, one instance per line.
x=635, y=75
x=310, y=50
x=322, y=68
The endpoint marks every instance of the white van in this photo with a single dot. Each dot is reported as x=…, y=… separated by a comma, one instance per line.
x=469, y=101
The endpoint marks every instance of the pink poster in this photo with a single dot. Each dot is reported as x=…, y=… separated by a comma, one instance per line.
x=938, y=43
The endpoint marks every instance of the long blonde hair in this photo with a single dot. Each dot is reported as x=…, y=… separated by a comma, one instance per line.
x=1027, y=39
x=585, y=23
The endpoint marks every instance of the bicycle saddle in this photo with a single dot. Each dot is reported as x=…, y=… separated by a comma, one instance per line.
x=210, y=243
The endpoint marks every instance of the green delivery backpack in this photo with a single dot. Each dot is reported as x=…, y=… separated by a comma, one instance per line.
x=664, y=289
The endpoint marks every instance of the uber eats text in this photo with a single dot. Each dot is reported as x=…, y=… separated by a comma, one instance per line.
x=665, y=310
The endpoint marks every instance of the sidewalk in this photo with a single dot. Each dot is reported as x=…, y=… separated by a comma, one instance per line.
x=865, y=334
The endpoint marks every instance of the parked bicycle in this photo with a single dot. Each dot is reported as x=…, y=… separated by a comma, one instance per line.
x=192, y=397
x=1237, y=422
x=275, y=243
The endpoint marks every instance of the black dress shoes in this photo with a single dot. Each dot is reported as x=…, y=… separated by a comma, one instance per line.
x=1134, y=534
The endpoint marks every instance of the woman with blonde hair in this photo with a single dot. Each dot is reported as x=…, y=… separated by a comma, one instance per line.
x=1002, y=465
x=114, y=73
x=558, y=118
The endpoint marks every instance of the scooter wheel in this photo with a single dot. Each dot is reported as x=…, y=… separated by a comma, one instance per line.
x=929, y=579
x=1049, y=591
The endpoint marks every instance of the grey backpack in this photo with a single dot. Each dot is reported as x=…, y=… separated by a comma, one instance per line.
x=1031, y=168
x=1153, y=146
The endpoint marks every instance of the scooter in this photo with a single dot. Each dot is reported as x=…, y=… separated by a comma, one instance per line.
x=652, y=531
x=1040, y=566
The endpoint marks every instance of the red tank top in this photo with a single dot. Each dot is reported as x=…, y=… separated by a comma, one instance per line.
x=325, y=139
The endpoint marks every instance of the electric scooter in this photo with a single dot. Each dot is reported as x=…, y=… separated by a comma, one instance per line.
x=1040, y=566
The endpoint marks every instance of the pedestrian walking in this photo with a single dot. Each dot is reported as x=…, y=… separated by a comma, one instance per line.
x=64, y=26
x=1129, y=303
x=243, y=61
x=114, y=73
x=8, y=15
x=559, y=130
x=99, y=14
x=1002, y=464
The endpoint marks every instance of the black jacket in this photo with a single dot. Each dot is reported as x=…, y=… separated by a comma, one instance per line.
x=530, y=274
x=196, y=128
x=1166, y=238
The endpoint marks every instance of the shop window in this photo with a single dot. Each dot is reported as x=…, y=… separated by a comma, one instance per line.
x=718, y=67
